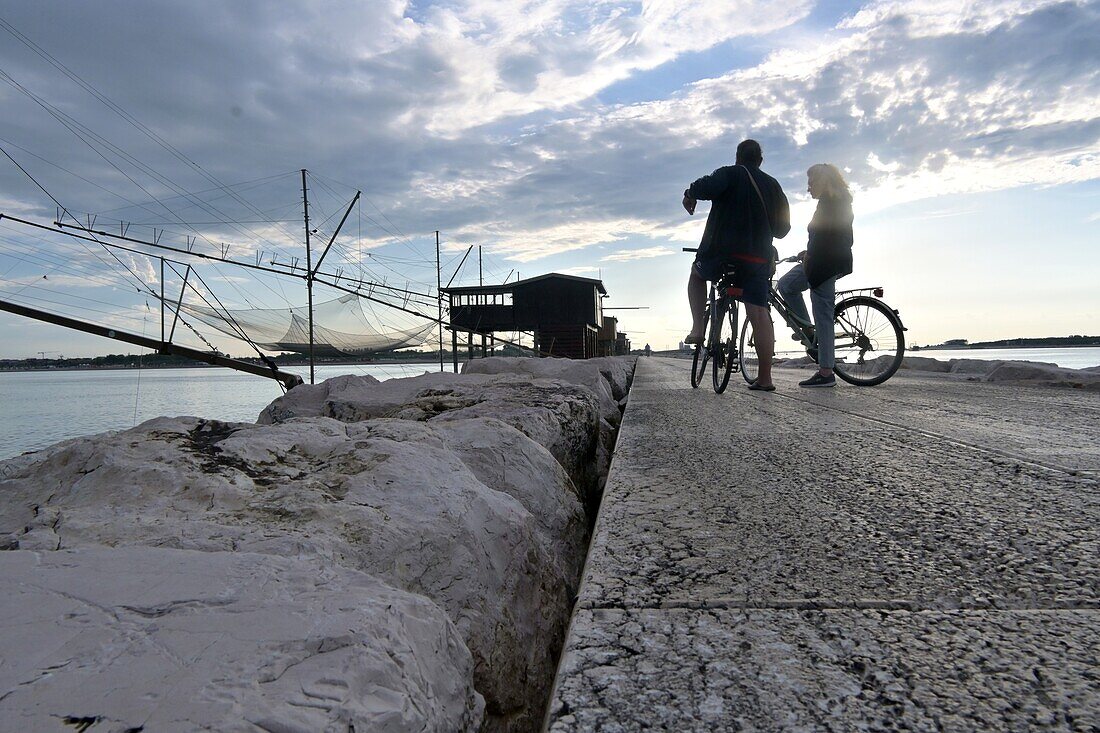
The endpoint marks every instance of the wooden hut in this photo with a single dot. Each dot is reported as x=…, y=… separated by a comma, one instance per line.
x=564, y=312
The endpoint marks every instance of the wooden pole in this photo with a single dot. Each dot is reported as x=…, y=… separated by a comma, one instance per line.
x=439, y=296
x=309, y=275
x=481, y=283
x=162, y=300
x=454, y=348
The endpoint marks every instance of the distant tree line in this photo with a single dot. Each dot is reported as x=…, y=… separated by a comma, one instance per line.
x=1033, y=342
x=1020, y=343
x=110, y=361
x=154, y=361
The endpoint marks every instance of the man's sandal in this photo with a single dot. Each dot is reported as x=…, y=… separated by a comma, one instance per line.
x=758, y=388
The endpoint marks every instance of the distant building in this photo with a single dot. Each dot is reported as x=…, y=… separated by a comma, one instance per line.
x=613, y=342
x=622, y=344
x=564, y=312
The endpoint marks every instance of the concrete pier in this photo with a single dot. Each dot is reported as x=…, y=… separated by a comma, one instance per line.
x=923, y=555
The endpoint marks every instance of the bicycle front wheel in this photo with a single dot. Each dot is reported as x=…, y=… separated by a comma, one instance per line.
x=869, y=339
x=750, y=362
x=725, y=344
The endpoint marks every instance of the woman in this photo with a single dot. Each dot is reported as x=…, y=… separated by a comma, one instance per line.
x=827, y=257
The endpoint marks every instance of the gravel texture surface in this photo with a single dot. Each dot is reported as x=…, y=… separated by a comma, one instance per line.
x=921, y=555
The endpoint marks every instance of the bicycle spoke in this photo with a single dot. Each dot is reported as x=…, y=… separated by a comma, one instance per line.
x=868, y=344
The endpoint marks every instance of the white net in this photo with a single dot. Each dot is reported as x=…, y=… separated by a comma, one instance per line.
x=339, y=328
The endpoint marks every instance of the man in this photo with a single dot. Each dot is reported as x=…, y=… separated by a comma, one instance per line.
x=748, y=209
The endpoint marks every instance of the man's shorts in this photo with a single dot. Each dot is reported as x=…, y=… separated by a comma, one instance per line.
x=753, y=278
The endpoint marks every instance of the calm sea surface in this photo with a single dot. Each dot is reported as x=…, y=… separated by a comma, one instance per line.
x=40, y=408
x=1070, y=358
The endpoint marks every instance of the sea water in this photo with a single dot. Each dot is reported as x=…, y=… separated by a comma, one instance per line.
x=39, y=408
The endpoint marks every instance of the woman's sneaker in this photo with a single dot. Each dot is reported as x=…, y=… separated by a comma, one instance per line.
x=818, y=381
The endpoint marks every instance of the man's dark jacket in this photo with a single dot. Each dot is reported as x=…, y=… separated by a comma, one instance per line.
x=737, y=227
x=829, y=249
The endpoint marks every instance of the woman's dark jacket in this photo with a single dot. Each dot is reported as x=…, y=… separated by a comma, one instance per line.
x=829, y=251
x=738, y=226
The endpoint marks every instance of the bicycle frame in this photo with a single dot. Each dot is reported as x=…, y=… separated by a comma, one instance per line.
x=793, y=322
x=801, y=326
x=722, y=296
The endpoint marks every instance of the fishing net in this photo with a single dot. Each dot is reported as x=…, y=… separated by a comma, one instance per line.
x=340, y=328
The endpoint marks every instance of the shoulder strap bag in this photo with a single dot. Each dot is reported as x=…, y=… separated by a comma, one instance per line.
x=758, y=194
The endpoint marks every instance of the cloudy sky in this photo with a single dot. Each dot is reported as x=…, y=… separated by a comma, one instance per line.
x=558, y=135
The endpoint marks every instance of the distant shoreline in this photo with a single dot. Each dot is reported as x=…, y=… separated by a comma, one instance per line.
x=201, y=365
x=1056, y=342
x=983, y=347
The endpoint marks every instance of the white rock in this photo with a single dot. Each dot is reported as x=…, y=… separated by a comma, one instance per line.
x=561, y=417
x=1020, y=371
x=973, y=366
x=925, y=364
x=387, y=497
x=606, y=377
x=506, y=460
x=154, y=639
x=299, y=401
x=618, y=371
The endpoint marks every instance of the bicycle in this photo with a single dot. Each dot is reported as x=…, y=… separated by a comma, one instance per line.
x=863, y=324
x=720, y=353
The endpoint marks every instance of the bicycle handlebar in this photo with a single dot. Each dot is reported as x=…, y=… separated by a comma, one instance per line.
x=792, y=258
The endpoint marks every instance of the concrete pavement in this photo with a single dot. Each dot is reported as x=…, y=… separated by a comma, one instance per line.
x=921, y=555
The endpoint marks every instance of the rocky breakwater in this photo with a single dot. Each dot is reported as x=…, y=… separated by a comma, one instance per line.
x=370, y=556
x=1037, y=373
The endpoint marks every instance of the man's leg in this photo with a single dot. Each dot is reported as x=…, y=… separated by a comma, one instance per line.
x=697, y=302
x=764, y=336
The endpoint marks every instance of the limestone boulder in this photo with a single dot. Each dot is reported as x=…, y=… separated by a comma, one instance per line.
x=608, y=377
x=1027, y=371
x=385, y=497
x=925, y=364
x=618, y=371
x=302, y=400
x=560, y=416
x=973, y=366
x=143, y=638
x=506, y=460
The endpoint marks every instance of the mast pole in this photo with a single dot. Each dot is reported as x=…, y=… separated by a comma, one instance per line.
x=439, y=295
x=162, y=300
x=309, y=274
x=480, y=283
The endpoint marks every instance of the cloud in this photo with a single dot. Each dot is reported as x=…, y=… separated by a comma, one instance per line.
x=579, y=271
x=480, y=118
x=912, y=109
x=625, y=255
x=504, y=59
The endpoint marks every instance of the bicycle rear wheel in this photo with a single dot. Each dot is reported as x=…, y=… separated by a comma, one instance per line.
x=870, y=341
x=725, y=344
x=701, y=357
x=750, y=362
